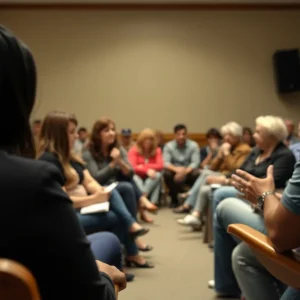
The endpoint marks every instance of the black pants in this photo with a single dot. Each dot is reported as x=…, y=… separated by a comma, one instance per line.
x=177, y=187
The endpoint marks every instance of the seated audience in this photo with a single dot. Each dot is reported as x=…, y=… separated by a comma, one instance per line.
x=280, y=215
x=81, y=141
x=47, y=237
x=231, y=155
x=126, y=140
x=57, y=138
x=147, y=162
x=269, y=136
x=248, y=136
x=292, y=138
x=181, y=159
x=208, y=153
x=108, y=162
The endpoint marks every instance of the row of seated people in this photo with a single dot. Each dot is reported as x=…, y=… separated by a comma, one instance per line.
x=236, y=270
x=39, y=227
x=48, y=237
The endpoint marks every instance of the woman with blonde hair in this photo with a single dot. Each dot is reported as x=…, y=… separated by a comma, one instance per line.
x=57, y=138
x=147, y=162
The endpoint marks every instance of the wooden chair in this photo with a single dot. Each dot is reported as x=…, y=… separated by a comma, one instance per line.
x=18, y=283
x=284, y=267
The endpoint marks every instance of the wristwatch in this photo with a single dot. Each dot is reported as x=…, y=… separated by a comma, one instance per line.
x=261, y=200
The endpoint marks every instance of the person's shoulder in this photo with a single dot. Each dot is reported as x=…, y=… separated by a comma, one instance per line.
x=49, y=157
x=283, y=150
x=158, y=151
x=170, y=145
x=123, y=151
x=244, y=147
x=192, y=144
x=29, y=170
x=132, y=150
x=87, y=155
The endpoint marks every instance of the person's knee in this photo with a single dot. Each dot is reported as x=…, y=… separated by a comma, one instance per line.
x=158, y=175
x=224, y=211
x=126, y=186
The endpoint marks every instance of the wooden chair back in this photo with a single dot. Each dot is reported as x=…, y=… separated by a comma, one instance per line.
x=284, y=267
x=17, y=282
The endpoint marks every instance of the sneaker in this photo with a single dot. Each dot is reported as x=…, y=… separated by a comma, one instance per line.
x=190, y=220
x=211, y=284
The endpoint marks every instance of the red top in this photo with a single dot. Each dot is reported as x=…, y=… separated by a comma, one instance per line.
x=142, y=164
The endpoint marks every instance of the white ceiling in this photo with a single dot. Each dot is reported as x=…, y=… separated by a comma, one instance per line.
x=151, y=1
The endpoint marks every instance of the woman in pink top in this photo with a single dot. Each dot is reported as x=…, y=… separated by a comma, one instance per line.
x=147, y=162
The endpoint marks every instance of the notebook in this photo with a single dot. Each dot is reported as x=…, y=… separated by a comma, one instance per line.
x=99, y=207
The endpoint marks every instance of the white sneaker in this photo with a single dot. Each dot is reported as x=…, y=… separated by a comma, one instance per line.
x=211, y=284
x=189, y=220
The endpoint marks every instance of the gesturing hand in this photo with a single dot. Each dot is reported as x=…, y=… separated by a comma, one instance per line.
x=251, y=186
x=115, y=154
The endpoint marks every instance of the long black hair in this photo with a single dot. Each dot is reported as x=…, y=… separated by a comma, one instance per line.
x=17, y=94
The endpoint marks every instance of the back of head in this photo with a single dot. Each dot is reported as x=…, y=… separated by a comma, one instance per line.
x=54, y=135
x=17, y=94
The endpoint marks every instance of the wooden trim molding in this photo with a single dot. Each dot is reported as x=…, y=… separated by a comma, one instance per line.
x=151, y=6
x=199, y=138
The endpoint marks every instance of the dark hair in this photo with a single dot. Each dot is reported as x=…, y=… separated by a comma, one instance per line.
x=17, y=94
x=81, y=129
x=37, y=122
x=179, y=127
x=95, y=144
x=213, y=133
x=249, y=130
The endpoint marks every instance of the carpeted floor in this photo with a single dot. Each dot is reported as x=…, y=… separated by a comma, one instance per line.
x=183, y=264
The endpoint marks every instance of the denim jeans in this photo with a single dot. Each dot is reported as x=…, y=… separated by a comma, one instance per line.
x=127, y=193
x=291, y=294
x=254, y=280
x=195, y=190
x=126, y=211
x=221, y=194
x=150, y=186
x=109, y=222
x=230, y=211
x=107, y=248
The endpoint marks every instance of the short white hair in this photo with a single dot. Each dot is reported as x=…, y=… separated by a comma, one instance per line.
x=274, y=126
x=232, y=128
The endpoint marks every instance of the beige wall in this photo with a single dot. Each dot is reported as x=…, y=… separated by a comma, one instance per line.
x=158, y=68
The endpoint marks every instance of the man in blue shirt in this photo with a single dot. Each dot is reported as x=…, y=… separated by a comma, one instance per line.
x=182, y=159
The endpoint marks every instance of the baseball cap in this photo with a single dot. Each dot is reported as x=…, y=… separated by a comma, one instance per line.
x=126, y=132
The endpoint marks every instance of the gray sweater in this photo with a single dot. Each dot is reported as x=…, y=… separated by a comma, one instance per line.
x=101, y=171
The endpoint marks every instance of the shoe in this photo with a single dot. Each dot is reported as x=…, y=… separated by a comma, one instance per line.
x=181, y=210
x=147, y=248
x=129, y=277
x=189, y=220
x=139, y=232
x=211, y=284
x=173, y=205
x=146, y=265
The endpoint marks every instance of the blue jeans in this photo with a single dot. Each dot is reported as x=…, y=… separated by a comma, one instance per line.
x=107, y=248
x=125, y=210
x=109, y=222
x=127, y=193
x=291, y=294
x=221, y=194
x=254, y=280
x=195, y=190
x=230, y=211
